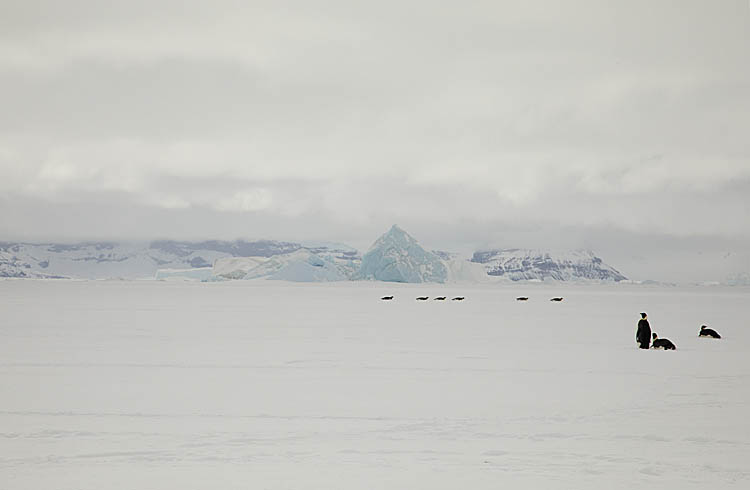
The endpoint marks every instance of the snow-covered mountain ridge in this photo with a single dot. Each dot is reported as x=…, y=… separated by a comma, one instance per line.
x=524, y=264
x=99, y=260
x=394, y=257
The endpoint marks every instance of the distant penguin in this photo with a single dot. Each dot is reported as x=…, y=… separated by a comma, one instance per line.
x=643, y=334
x=387, y=298
x=522, y=298
x=439, y=298
x=664, y=344
x=709, y=332
x=458, y=298
x=423, y=298
x=556, y=299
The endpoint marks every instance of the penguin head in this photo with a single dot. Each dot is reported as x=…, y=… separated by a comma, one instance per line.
x=653, y=335
x=703, y=327
x=643, y=315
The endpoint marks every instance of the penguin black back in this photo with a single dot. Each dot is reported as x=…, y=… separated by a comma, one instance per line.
x=665, y=344
x=708, y=332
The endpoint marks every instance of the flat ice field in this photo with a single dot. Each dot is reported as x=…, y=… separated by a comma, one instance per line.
x=269, y=385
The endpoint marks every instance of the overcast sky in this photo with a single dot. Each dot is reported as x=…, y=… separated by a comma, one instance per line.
x=618, y=126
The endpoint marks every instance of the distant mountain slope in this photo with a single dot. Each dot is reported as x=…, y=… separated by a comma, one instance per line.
x=397, y=257
x=91, y=260
x=238, y=248
x=301, y=265
x=521, y=264
x=99, y=260
x=394, y=257
x=17, y=267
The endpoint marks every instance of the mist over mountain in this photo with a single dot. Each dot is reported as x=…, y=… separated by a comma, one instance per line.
x=396, y=256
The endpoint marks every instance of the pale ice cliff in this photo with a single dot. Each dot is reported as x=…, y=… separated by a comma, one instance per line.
x=298, y=266
x=461, y=270
x=738, y=279
x=235, y=267
x=397, y=257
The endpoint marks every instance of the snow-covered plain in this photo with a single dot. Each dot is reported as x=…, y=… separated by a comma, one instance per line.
x=266, y=384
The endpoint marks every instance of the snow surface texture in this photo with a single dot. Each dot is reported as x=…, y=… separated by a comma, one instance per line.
x=397, y=257
x=274, y=385
x=519, y=264
x=200, y=274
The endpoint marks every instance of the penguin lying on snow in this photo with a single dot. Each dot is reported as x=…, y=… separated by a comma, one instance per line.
x=458, y=298
x=664, y=344
x=556, y=299
x=387, y=298
x=709, y=332
x=423, y=298
x=440, y=298
x=522, y=298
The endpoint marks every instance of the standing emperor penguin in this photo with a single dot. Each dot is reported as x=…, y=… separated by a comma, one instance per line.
x=643, y=335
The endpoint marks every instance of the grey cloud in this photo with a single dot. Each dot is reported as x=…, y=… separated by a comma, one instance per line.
x=472, y=124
